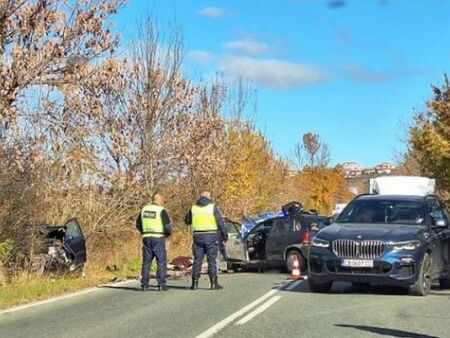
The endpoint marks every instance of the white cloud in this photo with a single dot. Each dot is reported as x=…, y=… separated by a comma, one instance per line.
x=360, y=74
x=247, y=46
x=271, y=73
x=211, y=12
x=201, y=56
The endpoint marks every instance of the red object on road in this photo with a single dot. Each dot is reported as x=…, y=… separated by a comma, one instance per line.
x=296, y=269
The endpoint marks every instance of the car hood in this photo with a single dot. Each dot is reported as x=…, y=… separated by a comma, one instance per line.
x=383, y=232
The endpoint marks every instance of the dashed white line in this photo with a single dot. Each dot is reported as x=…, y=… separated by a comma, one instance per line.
x=222, y=324
x=258, y=310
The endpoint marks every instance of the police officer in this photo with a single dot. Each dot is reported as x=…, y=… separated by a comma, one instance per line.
x=208, y=229
x=154, y=224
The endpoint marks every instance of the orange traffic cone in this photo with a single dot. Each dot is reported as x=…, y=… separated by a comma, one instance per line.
x=296, y=269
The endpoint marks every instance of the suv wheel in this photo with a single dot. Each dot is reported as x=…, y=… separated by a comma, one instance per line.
x=319, y=287
x=289, y=262
x=444, y=283
x=423, y=285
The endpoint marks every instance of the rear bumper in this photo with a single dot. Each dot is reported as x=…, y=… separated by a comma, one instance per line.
x=395, y=269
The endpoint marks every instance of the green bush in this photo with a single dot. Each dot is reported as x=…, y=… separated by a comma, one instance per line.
x=6, y=249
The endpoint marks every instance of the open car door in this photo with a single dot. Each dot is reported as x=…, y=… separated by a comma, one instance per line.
x=75, y=242
x=277, y=239
x=235, y=245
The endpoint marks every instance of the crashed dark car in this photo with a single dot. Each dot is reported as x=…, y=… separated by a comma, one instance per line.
x=397, y=240
x=64, y=248
x=274, y=240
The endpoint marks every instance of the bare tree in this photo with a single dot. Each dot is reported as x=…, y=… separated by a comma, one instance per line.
x=311, y=152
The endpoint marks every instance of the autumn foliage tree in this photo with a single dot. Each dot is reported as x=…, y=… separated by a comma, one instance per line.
x=253, y=177
x=321, y=188
x=429, y=142
x=315, y=184
x=85, y=132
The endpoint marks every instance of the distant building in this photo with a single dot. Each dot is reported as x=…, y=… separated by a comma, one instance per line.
x=352, y=169
x=369, y=171
x=384, y=168
x=356, y=170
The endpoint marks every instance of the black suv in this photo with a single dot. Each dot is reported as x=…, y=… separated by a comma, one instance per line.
x=384, y=239
x=274, y=241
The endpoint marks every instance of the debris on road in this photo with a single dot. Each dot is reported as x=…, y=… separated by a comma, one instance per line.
x=180, y=263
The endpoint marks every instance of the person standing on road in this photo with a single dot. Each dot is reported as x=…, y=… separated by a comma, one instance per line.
x=208, y=229
x=154, y=224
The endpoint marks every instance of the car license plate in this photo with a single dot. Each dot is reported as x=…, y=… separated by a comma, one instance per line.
x=357, y=263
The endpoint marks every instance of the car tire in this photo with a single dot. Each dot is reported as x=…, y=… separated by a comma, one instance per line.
x=288, y=262
x=444, y=283
x=232, y=267
x=319, y=287
x=422, y=286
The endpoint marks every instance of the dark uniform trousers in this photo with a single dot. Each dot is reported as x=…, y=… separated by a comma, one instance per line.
x=154, y=248
x=205, y=244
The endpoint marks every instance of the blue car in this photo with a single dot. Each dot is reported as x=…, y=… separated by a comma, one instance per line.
x=384, y=239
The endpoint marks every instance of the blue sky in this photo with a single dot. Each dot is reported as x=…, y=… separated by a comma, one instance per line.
x=353, y=71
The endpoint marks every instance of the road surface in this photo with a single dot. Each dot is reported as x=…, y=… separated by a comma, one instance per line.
x=251, y=305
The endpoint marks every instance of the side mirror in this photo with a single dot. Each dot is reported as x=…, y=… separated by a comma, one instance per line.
x=440, y=223
x=328, y=221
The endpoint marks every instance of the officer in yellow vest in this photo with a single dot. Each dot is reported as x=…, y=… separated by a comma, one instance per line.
x=208, y=229
x=154, y=224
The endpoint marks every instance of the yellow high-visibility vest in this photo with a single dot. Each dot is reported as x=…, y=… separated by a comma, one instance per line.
x=152, y=224
x=203, y=220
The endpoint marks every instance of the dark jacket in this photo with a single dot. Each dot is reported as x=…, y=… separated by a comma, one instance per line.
x=165, y=219
x=203, y=201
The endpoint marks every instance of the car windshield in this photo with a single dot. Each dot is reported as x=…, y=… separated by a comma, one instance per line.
x=383, y=211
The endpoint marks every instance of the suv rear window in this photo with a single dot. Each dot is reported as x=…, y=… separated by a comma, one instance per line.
x=383, y=211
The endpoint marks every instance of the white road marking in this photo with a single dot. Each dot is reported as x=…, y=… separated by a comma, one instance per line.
x=55, y=299
x=258, y=310
x=220, y=325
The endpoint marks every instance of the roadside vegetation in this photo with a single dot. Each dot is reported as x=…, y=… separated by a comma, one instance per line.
x=91, y=133
x=429, y=140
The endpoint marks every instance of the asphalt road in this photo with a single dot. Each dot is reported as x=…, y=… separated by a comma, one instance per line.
x=251, y=305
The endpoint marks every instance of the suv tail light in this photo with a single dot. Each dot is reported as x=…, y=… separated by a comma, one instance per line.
x=305, y=238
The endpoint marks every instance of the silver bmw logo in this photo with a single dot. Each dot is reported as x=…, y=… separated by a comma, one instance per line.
x=359, y=236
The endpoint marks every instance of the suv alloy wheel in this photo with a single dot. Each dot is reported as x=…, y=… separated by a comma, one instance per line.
x=423, y=284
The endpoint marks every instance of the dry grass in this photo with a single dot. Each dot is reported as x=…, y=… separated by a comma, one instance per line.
x=123, y=262
x=28, y=288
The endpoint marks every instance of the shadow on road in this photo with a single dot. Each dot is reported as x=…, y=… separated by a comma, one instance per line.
x=386, y=332
x=437, y=291
x=152, y=288
x=128, y=288
x=342, y=288
x=348, y=288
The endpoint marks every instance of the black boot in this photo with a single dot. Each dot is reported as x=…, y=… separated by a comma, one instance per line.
x=194, y=285
x=163, y=287
x=215, y=284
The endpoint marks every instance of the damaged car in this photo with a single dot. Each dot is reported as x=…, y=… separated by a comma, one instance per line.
x=273, y=240
x=64, y=248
